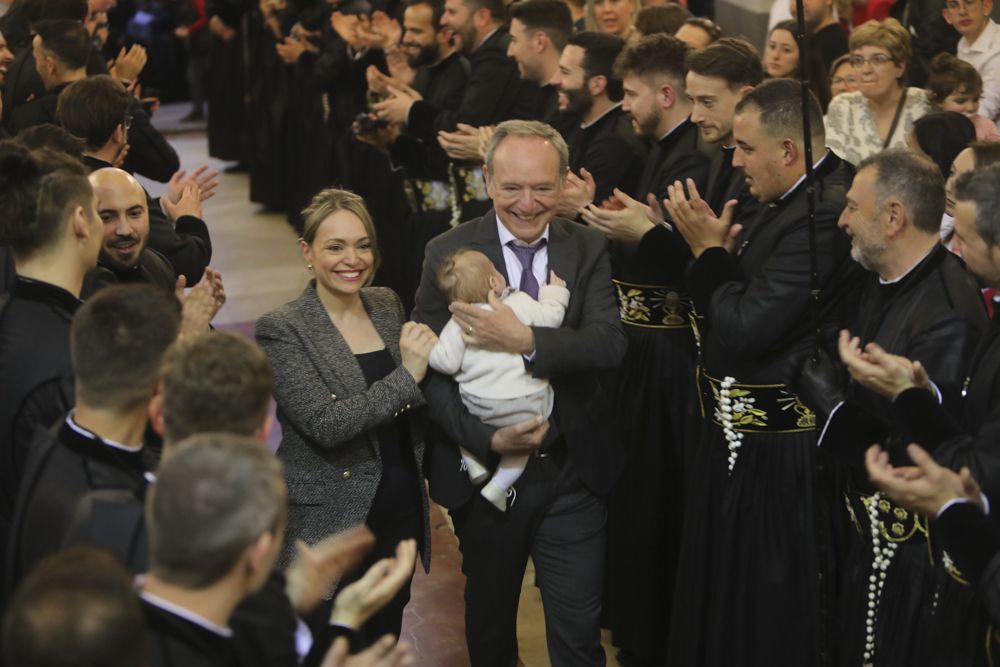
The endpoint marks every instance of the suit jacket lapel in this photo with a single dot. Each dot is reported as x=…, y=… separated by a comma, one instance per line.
x=561, y=259
x=488, y=242
x=327, y=343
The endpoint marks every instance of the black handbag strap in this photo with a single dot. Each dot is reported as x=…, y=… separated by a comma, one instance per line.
x=895, y=119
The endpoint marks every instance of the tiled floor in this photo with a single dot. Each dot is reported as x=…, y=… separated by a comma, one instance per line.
x=257, y=254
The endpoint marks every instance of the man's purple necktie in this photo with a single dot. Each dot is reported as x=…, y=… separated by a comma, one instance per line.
x=526, y=255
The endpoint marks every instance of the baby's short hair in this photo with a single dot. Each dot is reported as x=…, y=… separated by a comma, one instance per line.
x=461, y=278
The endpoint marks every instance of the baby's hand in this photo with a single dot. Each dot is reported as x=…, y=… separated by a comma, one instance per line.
x=556, y=280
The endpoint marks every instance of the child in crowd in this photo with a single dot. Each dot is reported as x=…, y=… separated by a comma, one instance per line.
x=495, y=386
x=955, y=85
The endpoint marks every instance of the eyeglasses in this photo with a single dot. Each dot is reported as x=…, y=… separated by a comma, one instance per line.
x=844, y=80
x=128, y=122
x=877, y=60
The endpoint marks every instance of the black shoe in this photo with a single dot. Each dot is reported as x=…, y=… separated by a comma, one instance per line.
x=193, y=117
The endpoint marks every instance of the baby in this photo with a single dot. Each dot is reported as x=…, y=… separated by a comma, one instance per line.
x=495, y=386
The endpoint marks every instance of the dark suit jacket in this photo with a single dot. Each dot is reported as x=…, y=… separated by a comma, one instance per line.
x=572, y=357
x=494, y=92
x=328, y=414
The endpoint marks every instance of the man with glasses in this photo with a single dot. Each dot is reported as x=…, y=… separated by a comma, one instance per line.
x=979, y=46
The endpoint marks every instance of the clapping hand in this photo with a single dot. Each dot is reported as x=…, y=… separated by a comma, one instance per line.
x=695, y=220
x=396, y=108
x=357, y=602
x=874, y=368
x=577, y=192
x=206, y=181
x=924, y=487
x=628, y=222
x=129, y=64
x=316, y=568
x=188, y=203
x=201, y=303
x=462, y=144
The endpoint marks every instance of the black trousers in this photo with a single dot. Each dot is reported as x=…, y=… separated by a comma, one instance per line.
x=554, y=519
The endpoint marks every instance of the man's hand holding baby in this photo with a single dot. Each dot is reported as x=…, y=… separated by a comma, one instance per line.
x=497, y=330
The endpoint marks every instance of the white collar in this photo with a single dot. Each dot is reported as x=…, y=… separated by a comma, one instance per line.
x=803, y=176
x=985, y=39
x=186, y=614
x=905, y=273
x=584, y=126
x=93, y=436
x=506, y=237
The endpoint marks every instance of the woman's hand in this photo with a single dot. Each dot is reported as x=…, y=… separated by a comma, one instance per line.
x=415, y=344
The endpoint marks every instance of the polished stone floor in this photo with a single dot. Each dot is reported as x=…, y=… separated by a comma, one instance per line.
x=257, y=254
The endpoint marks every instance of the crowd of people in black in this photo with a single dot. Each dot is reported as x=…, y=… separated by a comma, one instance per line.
x=657, y=309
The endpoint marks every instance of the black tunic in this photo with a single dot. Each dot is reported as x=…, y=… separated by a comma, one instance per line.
x=608, y=149
x=37, y=372
x=748, y=594
x=676, y=153
x=66, y=463
x=653, y=407
x=935, y=315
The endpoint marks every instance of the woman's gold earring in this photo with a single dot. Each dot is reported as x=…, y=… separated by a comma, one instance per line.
x=309, y=266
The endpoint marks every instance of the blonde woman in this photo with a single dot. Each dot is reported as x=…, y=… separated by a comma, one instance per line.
x=346, y=372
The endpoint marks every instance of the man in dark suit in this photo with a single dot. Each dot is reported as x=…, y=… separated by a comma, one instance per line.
x=556, y=512
x=751, y=289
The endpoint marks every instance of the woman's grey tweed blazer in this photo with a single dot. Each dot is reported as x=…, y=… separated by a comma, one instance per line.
x=328, y=414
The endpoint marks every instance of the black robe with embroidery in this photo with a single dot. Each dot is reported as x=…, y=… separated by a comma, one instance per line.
x=748, y=593
x=934, y=314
